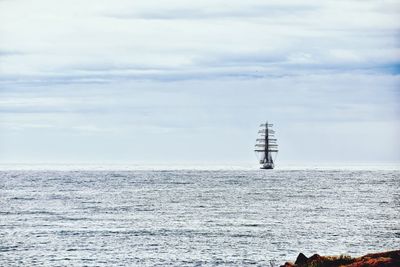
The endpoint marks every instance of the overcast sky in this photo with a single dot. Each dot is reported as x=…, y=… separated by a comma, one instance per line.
x=190, y=81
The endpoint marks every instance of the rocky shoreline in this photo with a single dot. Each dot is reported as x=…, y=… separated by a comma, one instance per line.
x=382, y=259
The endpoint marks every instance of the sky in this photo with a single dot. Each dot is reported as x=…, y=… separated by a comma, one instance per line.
x=178, y=82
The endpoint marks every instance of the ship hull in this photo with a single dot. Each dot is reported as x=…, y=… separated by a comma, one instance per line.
x=267, y=167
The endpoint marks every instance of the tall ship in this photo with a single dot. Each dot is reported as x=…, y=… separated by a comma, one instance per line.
x=266, y=146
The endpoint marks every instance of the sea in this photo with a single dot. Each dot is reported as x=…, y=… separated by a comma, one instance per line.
x=55, y=216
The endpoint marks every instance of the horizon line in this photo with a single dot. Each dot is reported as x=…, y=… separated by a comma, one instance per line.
x=126, y=166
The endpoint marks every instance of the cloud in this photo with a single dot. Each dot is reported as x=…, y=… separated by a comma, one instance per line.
x=73, y=42
x=6, y=53
x=202, y=13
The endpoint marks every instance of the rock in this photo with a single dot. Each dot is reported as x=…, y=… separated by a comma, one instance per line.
x=314, y=257
x=288, y=264
x=315, y=260
x=301, y=259
x=383, y=259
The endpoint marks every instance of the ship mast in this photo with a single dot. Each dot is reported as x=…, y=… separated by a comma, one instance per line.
x=266, y=142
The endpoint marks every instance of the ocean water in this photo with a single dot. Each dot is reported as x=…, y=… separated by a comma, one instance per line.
x=194, y=217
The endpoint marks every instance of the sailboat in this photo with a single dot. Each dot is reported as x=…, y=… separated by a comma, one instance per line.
x=266, y=145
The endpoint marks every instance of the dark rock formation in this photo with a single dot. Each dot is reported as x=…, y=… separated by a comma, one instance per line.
x=383, y=259
x=301, y=259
